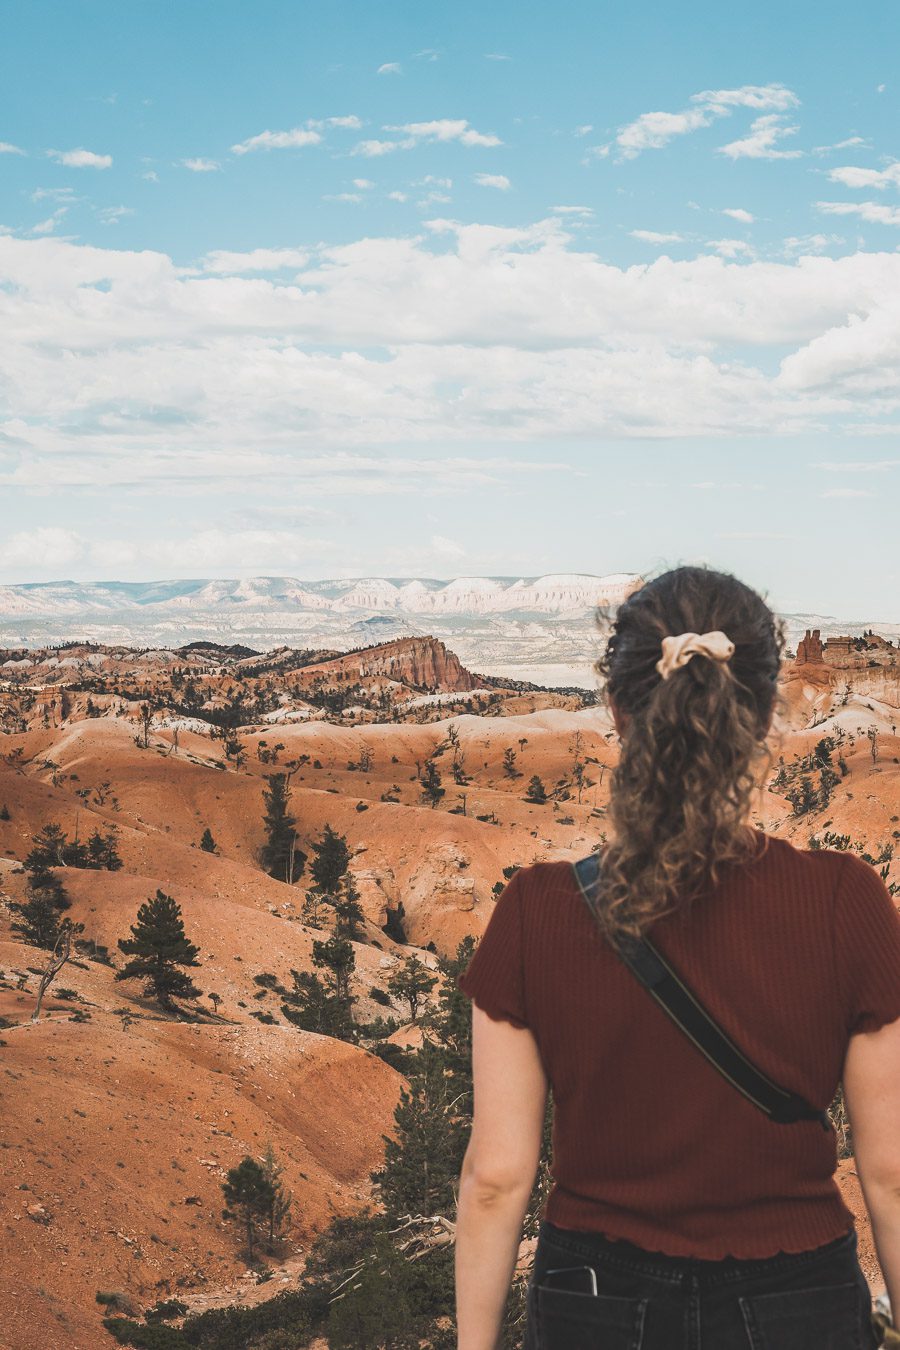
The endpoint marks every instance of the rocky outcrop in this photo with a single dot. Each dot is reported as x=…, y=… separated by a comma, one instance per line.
x=846, y=652
x=420, y=662
x=809, y=648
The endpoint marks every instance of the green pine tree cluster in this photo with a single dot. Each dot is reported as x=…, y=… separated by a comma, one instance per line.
x=381, y=1279
x=333, y=886
x=51, y=847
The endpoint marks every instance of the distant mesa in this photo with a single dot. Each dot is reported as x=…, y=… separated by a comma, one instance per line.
x=551, y=593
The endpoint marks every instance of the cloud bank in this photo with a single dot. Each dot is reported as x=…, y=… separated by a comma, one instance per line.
x=121, y=367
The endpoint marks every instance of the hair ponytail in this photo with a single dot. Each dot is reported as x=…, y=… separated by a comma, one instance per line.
x=682, y=789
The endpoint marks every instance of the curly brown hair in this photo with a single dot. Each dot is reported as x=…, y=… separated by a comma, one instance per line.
x=690, y=744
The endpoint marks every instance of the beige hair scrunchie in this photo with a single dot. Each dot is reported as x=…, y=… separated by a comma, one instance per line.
x=678, y=649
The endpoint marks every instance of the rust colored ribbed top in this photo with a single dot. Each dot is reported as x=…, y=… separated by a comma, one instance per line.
x=791, y=953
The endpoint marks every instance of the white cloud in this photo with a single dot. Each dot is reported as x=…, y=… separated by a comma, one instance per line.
x=446, y=129
x=49, y=225
x=493, y=180
x=596, y=152
x=111, y=215
x=349, y=123
x=80, y=159
x=774, y=97
x=60, y=194
x=374, y=148
x=738, y=213
x=398, y=196
x=572, y=210
x=496, y=56
x=654, y=237
x=7, y=149
x=653, y=130
x=447, y=548
x=363, y=184
x=49, y=548
x=585, y=130
x=278, y=140
x=46, y=547
x=874, y=213
x=151, y=176
x=257, y=260
x=795, y=245
x=236, y=371
x=389, y=68
x=733, y=248
x=847, y=144
x=853, y=177
x=765, y=133
x=351, y=197
x=427, y=54
x=201, y=165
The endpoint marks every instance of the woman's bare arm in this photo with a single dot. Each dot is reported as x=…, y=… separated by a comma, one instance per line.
x=871, y=1082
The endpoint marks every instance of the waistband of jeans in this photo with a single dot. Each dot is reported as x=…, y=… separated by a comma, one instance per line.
x=625, y=1255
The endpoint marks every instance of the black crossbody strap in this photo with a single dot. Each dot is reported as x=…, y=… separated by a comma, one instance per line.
x=673, y=995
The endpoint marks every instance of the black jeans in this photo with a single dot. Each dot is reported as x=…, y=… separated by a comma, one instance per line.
x=814, y=1300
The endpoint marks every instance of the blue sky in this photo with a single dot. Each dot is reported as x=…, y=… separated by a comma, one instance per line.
x=440, y=290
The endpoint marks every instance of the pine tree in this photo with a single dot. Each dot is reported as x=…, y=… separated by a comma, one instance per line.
x=4, y=812
x=412, y=982
x=207, y=843
x=422, y=1163
x=48, y=849
x=431, y=784
x=330, y=862
x=324, y=1005
x=103, y=851
x=536, y=792
x=159, y=946
x=248, y=1197
x=280, y=855
x=39, y=916
x=39, y=923
x=308, y=1005
x=803, y=798
x=375, y=1312
x=350, y=916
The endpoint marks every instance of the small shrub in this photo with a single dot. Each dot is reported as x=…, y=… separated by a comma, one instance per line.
x=116, y=1299
x=166, y=1309
x=149, y=1337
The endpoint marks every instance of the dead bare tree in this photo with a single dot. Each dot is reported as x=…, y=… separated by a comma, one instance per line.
x=872, y=733
x=55, y=962
x=146, y=719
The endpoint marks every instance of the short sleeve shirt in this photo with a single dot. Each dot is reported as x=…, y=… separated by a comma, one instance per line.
x=791, y=953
